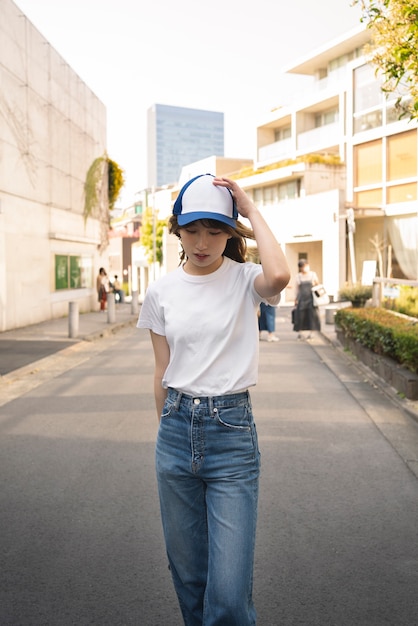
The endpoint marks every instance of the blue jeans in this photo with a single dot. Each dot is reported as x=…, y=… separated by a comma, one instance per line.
x=267, y=318
x=208, y=466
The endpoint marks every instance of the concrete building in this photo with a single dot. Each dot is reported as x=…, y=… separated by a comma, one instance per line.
x=177, y=136
x=52, y=129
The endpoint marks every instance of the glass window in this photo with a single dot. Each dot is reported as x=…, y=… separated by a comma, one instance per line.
x=402, y=156
x=326, y=117
x=368, y=163
x=258, y=195
x=373, y=119
x=288, y=190
x=282, y=133
x=367, y=88
x=402, y=193
x=268, y=195
x=368, y=199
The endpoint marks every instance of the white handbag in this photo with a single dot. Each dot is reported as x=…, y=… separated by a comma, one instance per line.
x=319, y=295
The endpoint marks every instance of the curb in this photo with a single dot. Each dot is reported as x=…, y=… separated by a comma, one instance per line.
x=109, y=330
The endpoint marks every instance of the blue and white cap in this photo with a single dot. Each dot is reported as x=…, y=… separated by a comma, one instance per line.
x=200, y=199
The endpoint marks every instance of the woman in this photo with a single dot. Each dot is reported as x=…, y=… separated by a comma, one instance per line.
x=306, y=314
x=203, y=323
x=102, y=286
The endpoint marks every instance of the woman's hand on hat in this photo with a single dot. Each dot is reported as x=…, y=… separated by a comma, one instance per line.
x=243, y=203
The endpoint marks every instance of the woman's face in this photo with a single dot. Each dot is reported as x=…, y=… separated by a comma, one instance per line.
x=203, y=247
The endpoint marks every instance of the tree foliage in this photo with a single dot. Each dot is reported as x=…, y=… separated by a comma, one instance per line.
x=394, y=49
x=149, y=222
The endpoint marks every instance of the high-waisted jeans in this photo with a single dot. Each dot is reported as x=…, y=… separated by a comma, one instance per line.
x=208, y=466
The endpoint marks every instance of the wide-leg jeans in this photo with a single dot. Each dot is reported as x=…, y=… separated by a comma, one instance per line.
x=208, y=466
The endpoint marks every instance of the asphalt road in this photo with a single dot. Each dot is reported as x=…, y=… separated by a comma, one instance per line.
x=80, y=539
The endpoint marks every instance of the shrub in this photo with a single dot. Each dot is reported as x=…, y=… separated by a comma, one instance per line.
x=383, y=332
x=357, y=294
x=407, y=302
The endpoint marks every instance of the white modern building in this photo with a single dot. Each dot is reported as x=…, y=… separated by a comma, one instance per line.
x=336, y=172
x=52, y=129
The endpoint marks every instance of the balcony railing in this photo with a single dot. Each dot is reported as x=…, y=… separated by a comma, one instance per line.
x=319, y=138
x=277, y=150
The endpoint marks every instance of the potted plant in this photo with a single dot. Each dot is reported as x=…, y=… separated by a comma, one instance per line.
x=356, y=294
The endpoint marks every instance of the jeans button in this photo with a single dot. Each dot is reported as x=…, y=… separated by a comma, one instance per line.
x=196, y=400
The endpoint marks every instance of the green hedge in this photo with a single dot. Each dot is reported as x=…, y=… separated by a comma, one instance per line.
x=383, y=332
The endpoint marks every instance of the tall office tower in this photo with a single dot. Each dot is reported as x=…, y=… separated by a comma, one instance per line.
x=178, y=136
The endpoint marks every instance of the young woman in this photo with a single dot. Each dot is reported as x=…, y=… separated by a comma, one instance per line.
x=203, y=323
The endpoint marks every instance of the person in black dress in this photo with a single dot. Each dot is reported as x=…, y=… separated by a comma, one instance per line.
x=306, y=316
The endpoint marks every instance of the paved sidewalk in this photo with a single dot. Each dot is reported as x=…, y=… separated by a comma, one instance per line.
x=24, y=346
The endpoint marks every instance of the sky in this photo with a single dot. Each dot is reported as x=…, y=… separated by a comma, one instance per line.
x=224, y=55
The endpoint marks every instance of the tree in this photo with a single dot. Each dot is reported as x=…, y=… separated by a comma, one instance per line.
x=152, y=230
x=394, y=48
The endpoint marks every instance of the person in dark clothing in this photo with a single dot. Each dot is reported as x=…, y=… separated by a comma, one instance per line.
x=306, y=314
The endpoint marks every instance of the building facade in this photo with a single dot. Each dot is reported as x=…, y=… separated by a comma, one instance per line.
x=177, y=136
x=52, y=129
x=344, y=116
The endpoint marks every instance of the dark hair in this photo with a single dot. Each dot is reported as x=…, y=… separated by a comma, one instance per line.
x=236, y=247
x=302, y=263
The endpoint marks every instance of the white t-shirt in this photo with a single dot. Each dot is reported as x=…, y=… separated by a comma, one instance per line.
x=210, y=324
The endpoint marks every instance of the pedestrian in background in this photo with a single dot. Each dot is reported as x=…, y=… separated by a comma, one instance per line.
x=203, y=323
x=117, y=289
x=102, y=286
x=306, y=315
x=267, y=321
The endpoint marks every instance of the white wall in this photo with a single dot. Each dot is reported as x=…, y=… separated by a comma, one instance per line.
x=52, y=127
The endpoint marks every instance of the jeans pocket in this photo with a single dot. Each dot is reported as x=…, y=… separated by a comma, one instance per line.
x=234, y=417
x=167, y=409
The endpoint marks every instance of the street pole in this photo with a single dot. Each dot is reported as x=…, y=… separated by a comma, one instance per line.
x=351, y=230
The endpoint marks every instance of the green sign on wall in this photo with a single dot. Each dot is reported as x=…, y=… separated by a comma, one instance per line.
x=61, y=271
x=73, y=272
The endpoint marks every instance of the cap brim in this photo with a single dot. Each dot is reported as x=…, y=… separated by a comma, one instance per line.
x=186, y=218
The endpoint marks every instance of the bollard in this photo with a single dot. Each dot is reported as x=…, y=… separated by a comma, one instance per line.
x=73, y=319
x=134, y=303
x=111, y=308
x=330, y=312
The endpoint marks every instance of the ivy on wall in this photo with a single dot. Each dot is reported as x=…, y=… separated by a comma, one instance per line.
x=103, y=184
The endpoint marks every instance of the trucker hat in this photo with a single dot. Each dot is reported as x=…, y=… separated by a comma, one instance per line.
x=200, y=199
